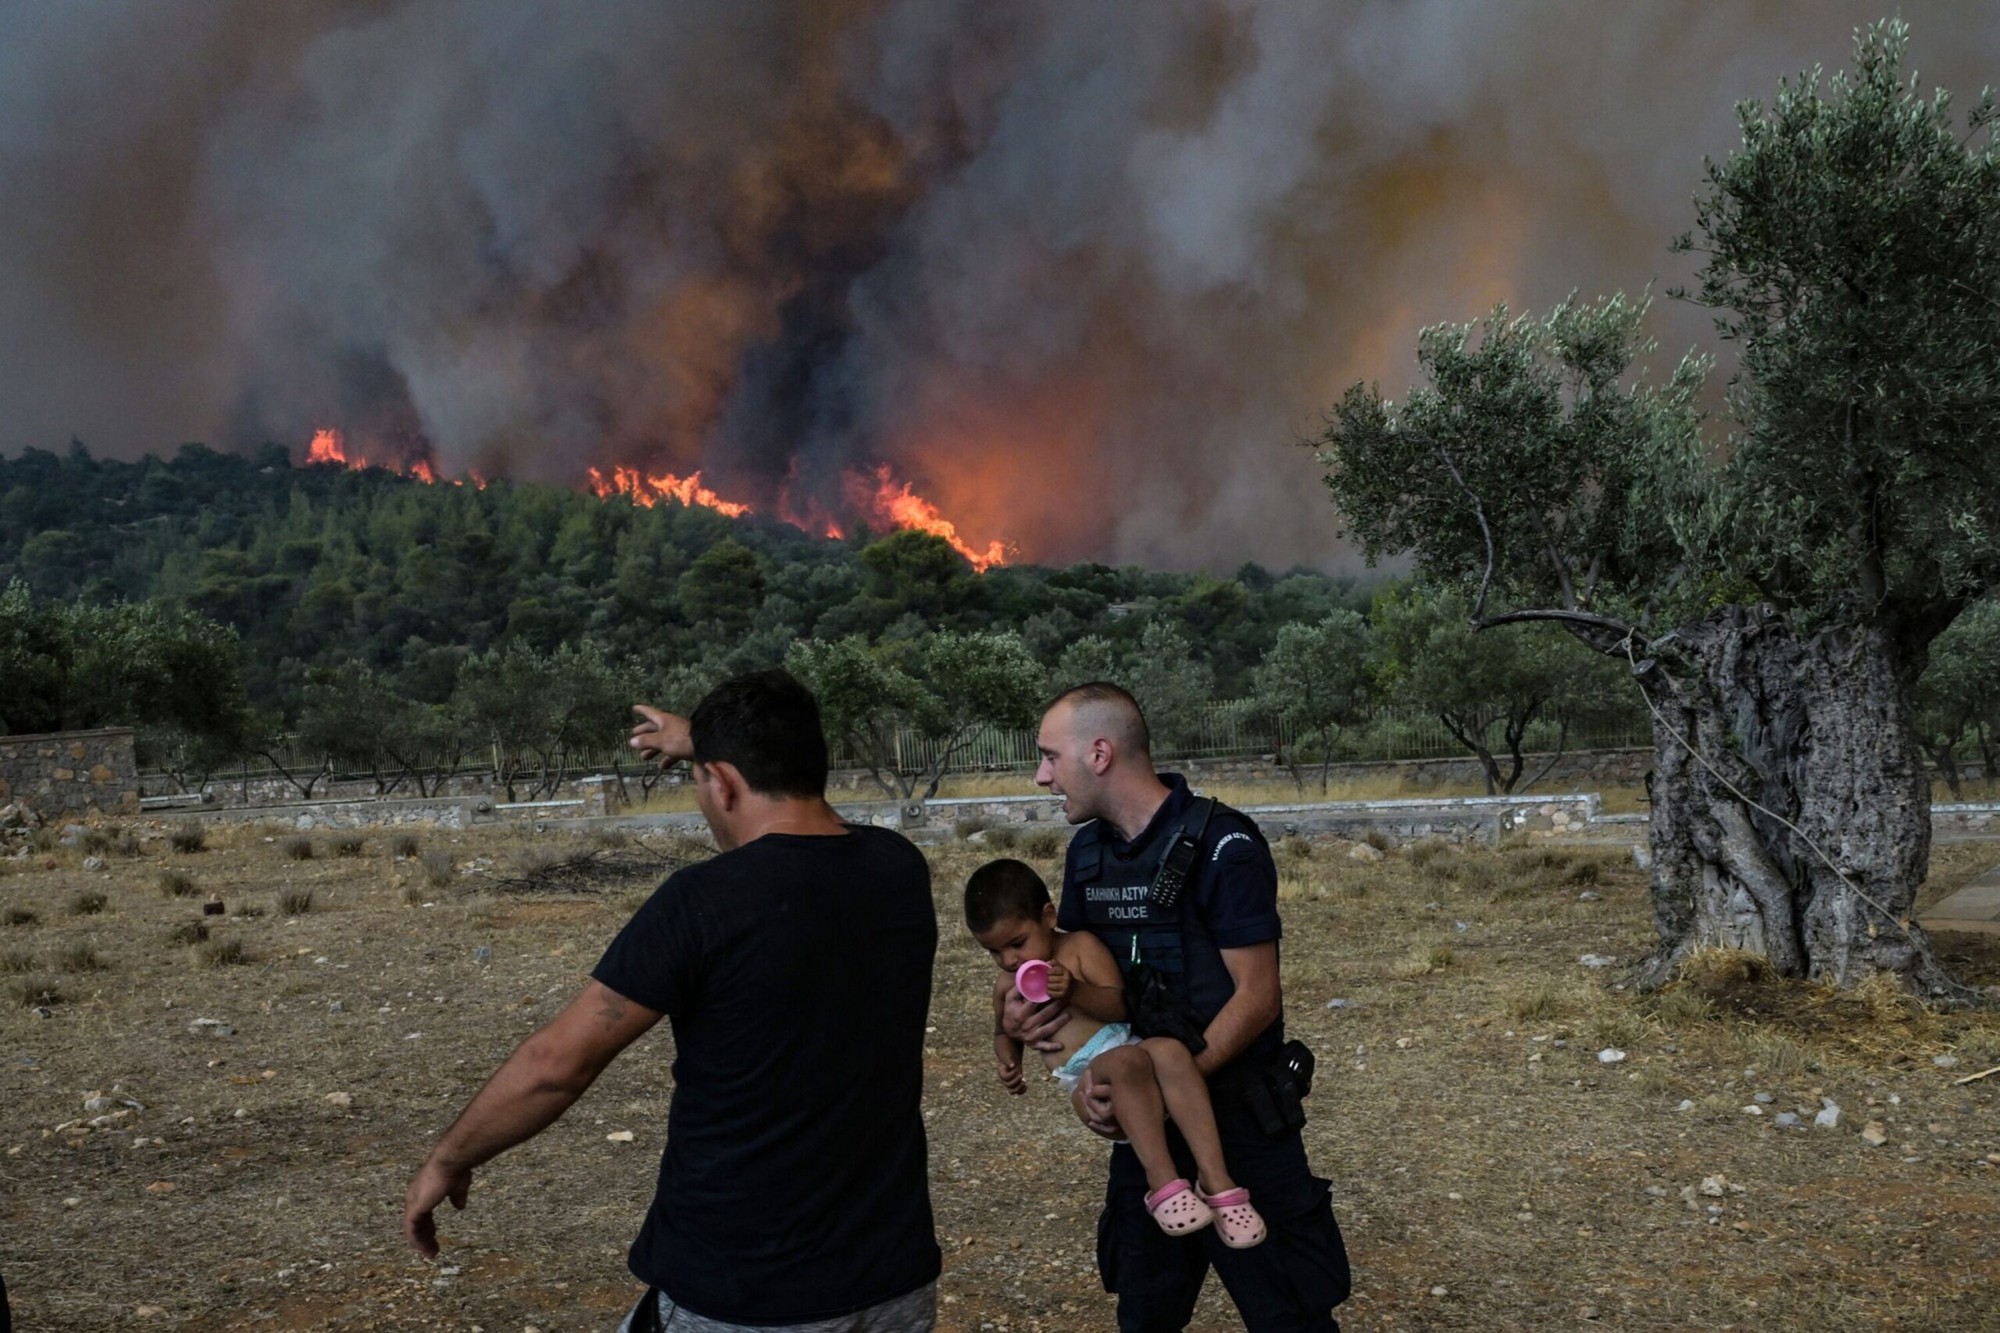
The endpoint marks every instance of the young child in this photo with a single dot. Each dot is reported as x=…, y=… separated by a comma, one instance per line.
x=1008, y=910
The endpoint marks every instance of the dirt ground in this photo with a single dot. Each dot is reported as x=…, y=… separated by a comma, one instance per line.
x=1489, y=1170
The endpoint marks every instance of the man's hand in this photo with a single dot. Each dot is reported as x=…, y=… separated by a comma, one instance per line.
x=661, y=735
x=432, y=1186
x=1060, y=980
x=1033, y=1024
x=1093, y=1103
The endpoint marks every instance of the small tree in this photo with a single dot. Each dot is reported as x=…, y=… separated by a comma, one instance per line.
x=174, y=675
x=510, y=698
x=1488, y=690
x=1316, y=681
x=941, y=690
x=1958, y=697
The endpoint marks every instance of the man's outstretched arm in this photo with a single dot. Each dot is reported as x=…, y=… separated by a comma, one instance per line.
x=539, y=1081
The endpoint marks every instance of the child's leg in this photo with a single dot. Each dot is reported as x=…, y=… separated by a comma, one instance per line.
x=1186, y=1095
x=1135, y=1100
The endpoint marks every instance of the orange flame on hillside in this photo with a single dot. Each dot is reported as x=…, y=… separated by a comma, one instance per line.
x=650, y=490
x=327, y=447
x=893, y=503
x=881, y=501
x=330, y=447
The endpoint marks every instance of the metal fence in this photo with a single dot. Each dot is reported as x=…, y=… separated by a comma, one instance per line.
x=1223, y=731
x=1229, y=730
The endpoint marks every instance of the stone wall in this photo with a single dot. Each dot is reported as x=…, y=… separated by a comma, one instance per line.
x=70, y=772
x=453, y=812
x=1576, y=770
x=1450, y=818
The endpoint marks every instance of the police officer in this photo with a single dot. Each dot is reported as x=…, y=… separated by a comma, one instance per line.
x=1185, y=894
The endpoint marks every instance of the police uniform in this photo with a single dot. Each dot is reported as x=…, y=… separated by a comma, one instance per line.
x=1294, y=1279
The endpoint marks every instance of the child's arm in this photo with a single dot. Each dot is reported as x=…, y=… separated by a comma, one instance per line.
x=1088, y=979
x=1006, y=1050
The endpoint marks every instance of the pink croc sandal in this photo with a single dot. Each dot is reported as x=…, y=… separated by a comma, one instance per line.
x=1178, y=1208
x=1237, y=1223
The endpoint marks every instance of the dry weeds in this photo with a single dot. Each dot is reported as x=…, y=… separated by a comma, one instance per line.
x=1474, y=1140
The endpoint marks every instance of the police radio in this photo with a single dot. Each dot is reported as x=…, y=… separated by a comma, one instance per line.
x=1170, y=880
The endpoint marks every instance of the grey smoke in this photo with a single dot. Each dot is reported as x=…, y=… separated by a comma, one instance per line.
x=1079, y=271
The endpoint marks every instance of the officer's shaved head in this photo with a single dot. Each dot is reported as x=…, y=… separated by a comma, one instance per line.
x=1101, y=709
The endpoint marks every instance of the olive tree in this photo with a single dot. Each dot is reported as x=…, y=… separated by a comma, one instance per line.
x=1773, y=593
x=1958, y=698
x=1316, y=680
x=908, y=710
x=1487, y=690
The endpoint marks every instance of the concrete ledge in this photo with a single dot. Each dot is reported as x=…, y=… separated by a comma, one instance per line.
x=440, y=812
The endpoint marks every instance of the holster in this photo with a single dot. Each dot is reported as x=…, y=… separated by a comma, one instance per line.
x=1274, y=1093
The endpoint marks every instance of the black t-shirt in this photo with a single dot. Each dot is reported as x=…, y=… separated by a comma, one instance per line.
x=796, y=972
x=1232, y=901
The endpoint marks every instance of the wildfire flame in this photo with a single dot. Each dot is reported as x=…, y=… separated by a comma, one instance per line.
x=881, y=501
x=893, y=503
x=327, y=448
x=650, y=490
x=330, y=446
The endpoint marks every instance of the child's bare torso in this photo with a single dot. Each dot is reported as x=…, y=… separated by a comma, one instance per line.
x=1079, y=1028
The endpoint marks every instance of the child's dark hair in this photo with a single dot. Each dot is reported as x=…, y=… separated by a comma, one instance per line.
x=1001, y=890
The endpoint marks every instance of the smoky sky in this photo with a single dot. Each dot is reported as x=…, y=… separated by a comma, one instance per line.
x=1082, y=272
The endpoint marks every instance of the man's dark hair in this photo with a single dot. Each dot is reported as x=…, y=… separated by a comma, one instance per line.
x=767, y=725
x=1002, y=890
x=1111, y=710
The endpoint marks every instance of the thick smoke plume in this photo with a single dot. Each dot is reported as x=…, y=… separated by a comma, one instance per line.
x=1079, y=271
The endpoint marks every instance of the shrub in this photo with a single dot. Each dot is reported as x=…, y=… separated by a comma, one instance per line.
x=1536, y=1004
x=1044, y=843
x=1379, y=840
x=34, y=991
x=177, y=884
x=1682, y=1006
x=88, y=903
x=299, y=849
x=349, y=844
x=79, y=957
x=1586, y=872
x=188, y=837
x=222, y=953
x=129, y=846
x=437, y=864
x=45, y=839
x=295, y=902
x=14, y=962
x=1427, y=851
x=414, y=895
x=1003, y=838
x=188, y=932
x=19, y=916
x=405, y=845
x=95, y=841
x=249, y=911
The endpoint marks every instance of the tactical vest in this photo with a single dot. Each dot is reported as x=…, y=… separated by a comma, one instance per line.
x=1171, y=939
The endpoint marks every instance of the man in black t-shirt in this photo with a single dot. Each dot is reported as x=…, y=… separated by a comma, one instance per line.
x=793, y=1191
x=1209, y=951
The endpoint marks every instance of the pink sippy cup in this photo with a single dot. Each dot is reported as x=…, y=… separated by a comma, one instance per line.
x=1032, y=980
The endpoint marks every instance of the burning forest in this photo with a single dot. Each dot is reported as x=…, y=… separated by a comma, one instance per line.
x=855, y=265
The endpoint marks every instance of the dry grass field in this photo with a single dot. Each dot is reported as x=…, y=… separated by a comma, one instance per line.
x=1490, y=1171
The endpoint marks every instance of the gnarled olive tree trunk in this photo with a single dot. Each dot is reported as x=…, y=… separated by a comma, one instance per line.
x=1816, y=729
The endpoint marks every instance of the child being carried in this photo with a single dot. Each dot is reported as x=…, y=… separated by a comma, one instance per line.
x=1008, y=910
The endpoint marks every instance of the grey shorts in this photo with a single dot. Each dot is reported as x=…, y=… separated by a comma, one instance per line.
x=914, y=1313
